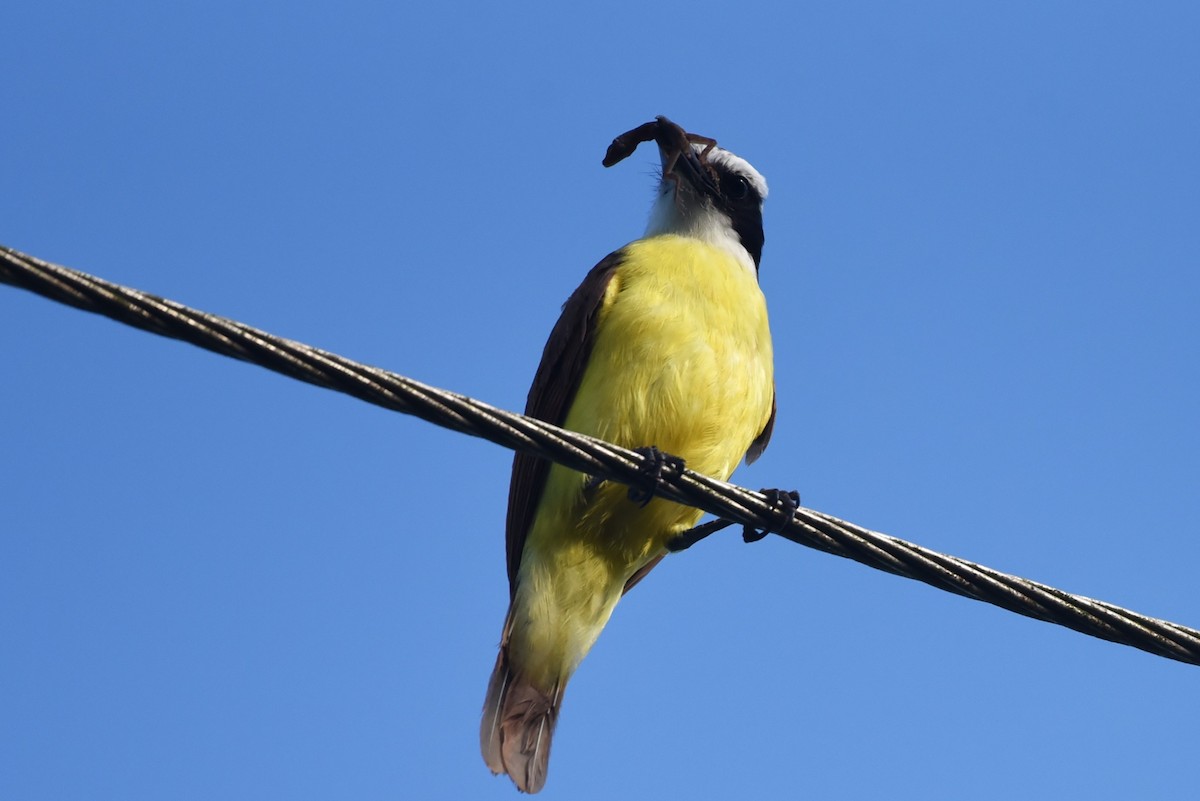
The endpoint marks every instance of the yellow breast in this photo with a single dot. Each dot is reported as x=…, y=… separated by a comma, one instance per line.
x=682, y=356
x=682, y=361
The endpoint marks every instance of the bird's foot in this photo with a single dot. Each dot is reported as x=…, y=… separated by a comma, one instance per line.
x=686, y=539
x=654, y=463
x=784, y=503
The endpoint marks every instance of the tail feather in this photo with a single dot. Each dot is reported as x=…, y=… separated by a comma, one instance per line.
x=518, y=725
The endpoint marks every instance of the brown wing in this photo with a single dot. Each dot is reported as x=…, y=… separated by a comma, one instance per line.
x=554, y=386
x=760, y=442
x=641, y=572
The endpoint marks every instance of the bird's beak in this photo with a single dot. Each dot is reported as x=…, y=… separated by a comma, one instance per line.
x=684, y=163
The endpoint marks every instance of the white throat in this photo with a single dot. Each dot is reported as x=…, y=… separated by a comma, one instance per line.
x=687, y=215
x=678, y=209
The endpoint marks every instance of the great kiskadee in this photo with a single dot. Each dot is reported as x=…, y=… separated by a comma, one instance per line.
x=666, y=344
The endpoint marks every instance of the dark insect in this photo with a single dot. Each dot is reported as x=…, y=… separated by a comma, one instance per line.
x=669, y=136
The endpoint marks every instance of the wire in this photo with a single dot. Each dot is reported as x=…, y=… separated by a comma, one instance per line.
x=597, y=458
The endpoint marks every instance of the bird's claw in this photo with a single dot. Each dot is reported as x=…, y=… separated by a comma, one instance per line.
x=784, y=503
x=654, y=464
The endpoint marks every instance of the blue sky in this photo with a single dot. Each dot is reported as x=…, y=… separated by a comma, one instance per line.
x=982, y=268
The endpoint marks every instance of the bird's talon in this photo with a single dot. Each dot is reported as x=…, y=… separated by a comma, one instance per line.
x=751, y=534
x=654, y=464
x=784, y=503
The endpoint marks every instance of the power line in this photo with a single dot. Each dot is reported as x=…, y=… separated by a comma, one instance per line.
x=596, y=457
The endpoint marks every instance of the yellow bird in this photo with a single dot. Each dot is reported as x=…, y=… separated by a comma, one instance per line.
x=665, y=344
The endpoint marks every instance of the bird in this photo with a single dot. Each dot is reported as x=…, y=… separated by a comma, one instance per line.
x=665, y=345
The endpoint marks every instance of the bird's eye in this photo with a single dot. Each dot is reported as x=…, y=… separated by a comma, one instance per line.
x=737, y=187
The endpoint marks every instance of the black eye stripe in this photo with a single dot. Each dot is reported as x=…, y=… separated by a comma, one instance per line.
x=739, y=197
x=735, y=188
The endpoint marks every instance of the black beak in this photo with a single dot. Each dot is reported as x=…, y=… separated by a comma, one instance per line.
x=675, y=148
x=684, y=162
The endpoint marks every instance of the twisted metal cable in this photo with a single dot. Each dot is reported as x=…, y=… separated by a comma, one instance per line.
x=597, y=458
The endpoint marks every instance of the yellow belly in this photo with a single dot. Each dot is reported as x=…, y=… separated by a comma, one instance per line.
x=681, y=360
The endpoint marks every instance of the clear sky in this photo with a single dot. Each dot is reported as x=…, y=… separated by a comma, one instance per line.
x=983, y=268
